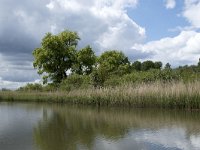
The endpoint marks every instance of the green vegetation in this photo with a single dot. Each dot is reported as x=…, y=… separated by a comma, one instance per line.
x=157, y=94
x=79, y=76
x=56, y=55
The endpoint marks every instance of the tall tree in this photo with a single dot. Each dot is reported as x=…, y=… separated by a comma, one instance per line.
x=56, y=55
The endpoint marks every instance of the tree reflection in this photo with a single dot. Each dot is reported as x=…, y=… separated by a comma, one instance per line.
x=70, y=129
x=75, y=127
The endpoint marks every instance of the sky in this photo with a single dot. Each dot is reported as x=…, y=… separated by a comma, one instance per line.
x=157, y=30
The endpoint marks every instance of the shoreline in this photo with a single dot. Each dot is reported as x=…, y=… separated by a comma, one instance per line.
x=155, y=95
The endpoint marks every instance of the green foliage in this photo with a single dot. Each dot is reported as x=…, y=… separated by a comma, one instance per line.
x=75, y=81
x=167, y=66
x=56, y=55
x=136, y=66
x=169, y=75
x=112, y=60
x=51, y=87
x=188, y=73
x=85, y=61
x=157, y=65
x=31, y=87
x=113, y=81
x=147, y=65
x=141, y=77
x=122, y=70
x=108, y=64
x=198, y=63
x=99, y=76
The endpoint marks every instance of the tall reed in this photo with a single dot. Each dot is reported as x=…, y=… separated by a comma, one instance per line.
x=157, y=94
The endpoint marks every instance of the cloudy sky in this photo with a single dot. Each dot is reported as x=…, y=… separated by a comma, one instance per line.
x=161, y=30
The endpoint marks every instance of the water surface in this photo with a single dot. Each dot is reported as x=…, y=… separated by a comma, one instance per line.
x=32, y=126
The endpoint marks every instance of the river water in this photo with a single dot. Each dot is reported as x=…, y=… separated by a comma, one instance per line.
x=31, y=126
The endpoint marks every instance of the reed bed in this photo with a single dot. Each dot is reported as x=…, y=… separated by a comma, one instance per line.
x=159, y=95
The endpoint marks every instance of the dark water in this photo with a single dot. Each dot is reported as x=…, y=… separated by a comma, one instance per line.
x=62, y=127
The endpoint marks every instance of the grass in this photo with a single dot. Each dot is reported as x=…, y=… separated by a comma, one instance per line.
x=159, y=95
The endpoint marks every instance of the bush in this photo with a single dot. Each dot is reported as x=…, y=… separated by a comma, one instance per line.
x=113, y=81
x=51, y=87
x=31, y=87
x=75, y=81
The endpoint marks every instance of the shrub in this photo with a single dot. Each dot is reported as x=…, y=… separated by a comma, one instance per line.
x=31, y=87
x=75, y=81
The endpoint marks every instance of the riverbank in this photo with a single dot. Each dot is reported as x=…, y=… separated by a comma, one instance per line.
x=159, y=95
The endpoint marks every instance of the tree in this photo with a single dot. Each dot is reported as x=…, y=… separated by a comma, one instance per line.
x=56, y=55
x=85, y=61
x=137, y=66
x=31, y=87
x=112, y=60
x=167, y=66
x=147, y=65
x=109, y=63
x=198, y=63
x=158, y=65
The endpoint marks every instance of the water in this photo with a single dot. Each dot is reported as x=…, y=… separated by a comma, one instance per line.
x=64, y=127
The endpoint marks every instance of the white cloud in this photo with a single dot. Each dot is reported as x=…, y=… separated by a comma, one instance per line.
x=192, y=11
x=170, y=4
x=101, y=24
x=178, y=50
x=195, y=140
x=173, y=137
x=169, y=138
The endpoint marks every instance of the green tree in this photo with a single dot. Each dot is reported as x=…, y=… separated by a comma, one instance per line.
x=167, y=66
x=56, y=55
x=31, y=87
x=112, y=60
x=109, y=63
x=147, y=65
x=136, y=66
x=158, y=65
x=198, y=63
x=85, y=61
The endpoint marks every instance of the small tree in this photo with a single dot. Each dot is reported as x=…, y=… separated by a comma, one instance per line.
x=147, y=65
x=199, y=63
x=112, y=60
x=85, y=61
x=136, y=66
x=109, y=63
x=158, y=65
x=167, y=66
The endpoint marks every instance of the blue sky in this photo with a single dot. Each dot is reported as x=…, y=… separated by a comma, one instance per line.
x=158, y=30
x=157, y=20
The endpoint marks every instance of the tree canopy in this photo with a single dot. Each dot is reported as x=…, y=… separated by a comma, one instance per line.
x=112, y=60
x=85, y=61
x=56, y=55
